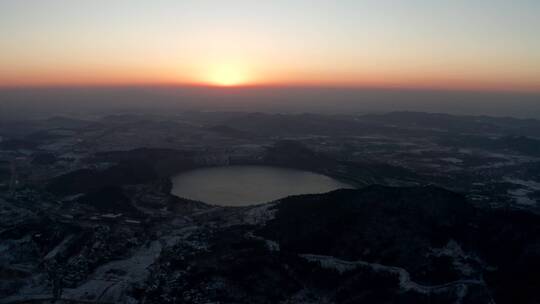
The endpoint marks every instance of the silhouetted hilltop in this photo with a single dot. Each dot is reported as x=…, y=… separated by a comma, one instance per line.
x=435, y=234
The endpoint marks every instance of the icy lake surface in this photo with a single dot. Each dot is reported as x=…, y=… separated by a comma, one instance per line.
x=248, y=185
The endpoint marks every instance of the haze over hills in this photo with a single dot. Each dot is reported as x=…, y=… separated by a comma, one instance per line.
x=84, y=102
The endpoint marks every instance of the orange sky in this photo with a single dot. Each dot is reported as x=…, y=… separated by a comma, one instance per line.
x=415, y=44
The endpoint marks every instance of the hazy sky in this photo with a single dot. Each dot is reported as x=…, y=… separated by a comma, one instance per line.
x=491, y=44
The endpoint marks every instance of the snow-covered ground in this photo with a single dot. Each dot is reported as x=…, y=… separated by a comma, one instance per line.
x=108, y=283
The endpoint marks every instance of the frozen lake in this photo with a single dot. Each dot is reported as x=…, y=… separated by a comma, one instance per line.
x=247, y=185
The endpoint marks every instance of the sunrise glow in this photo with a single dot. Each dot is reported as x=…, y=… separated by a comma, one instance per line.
x=323, y=43
x=228, y=75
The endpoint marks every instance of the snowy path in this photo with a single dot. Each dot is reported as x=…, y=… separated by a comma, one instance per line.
x=405, y=281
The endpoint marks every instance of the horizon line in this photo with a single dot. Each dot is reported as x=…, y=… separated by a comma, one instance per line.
x=174, y=85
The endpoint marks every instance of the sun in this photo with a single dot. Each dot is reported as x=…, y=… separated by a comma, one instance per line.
x=228, y=75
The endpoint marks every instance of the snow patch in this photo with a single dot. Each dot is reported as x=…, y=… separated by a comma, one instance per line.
x=261, y=214
x=521, y=195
